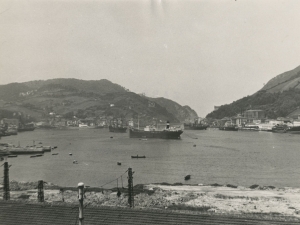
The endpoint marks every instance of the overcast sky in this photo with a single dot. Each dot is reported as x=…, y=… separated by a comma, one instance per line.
x=197, y=53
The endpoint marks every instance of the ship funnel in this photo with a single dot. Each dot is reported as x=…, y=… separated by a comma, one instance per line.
x=168, y=125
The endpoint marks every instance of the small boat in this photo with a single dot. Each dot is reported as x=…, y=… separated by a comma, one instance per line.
x=54, y=147
x=137, y=156
x=119, y=163
x=11, y=156
x=187, y=177
x=32, y=156
x=54, y=153
x=70, y=154
x=75, y=162
x=194, y=145
x=39, y=155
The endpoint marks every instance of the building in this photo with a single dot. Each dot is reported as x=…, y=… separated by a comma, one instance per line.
x=255, y=115
x=239, y=120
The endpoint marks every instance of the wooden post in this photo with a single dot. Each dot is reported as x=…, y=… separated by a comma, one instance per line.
x=6, y=193
x=41, y=191
x=80, y=198
x=130, y=188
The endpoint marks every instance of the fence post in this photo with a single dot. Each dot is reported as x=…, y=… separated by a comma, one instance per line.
x=6, y=192
x=130, y=188
x=80, y=198
x=41, y=191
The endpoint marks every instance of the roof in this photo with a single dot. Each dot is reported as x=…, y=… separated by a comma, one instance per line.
x=14, y=213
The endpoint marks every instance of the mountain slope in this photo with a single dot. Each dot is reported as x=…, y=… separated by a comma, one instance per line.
x=182, y=113
x=280, y=97
x=96, y=86
x=285, y=81
x=80, y=98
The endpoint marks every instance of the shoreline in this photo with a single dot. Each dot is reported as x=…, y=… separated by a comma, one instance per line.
x=216, y=199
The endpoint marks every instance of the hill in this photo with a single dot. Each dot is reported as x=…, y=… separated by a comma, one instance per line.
x=182, y=113
x=280, y=97
x=80, y=98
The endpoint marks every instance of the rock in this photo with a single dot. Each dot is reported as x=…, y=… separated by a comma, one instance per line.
x=254, y=186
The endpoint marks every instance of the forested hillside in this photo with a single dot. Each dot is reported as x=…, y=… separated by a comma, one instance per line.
x=280, y=97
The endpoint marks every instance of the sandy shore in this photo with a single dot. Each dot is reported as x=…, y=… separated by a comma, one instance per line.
x=214, y=199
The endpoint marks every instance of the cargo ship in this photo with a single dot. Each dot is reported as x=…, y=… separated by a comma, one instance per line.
x=150, y=132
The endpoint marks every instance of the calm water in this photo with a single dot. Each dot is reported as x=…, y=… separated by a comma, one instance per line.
x=239, y=158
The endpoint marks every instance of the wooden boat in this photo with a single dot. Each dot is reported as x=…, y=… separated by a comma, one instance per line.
x=32, y=156
x=39, y=155
x=187, y=177
x=119, y=163
x=54, y=153
x=137, y=156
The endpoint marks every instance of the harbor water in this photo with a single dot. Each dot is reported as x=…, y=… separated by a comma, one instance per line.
x=209, y=156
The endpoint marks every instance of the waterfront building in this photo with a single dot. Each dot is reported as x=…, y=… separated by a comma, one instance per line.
x=239, y=120
x=255, y=115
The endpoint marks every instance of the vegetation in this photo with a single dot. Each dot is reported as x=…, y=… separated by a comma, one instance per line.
x=278, y=104
x=71, y=97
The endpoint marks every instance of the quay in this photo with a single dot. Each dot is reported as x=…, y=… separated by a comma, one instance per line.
x=12, y=213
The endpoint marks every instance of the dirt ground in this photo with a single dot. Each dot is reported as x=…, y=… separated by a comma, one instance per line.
x=197, y=198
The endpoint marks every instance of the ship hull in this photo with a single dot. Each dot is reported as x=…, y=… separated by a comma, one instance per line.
x=196, y=128
x=26, y=129
x=117, y=129
x=229, y=128
x=155, y=134
x=294, y=130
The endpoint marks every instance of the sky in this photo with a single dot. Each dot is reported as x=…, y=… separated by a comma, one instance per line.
x=202, y=53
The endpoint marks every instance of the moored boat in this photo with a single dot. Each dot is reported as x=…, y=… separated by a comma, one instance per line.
x=187, y=177
x=117, y=129
x=293, y=130
x=138, y=156
x=280, y=128
x=167, y=133
x=195, y=127
x=116, y=125
x=26, y=127
x=229, y=128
